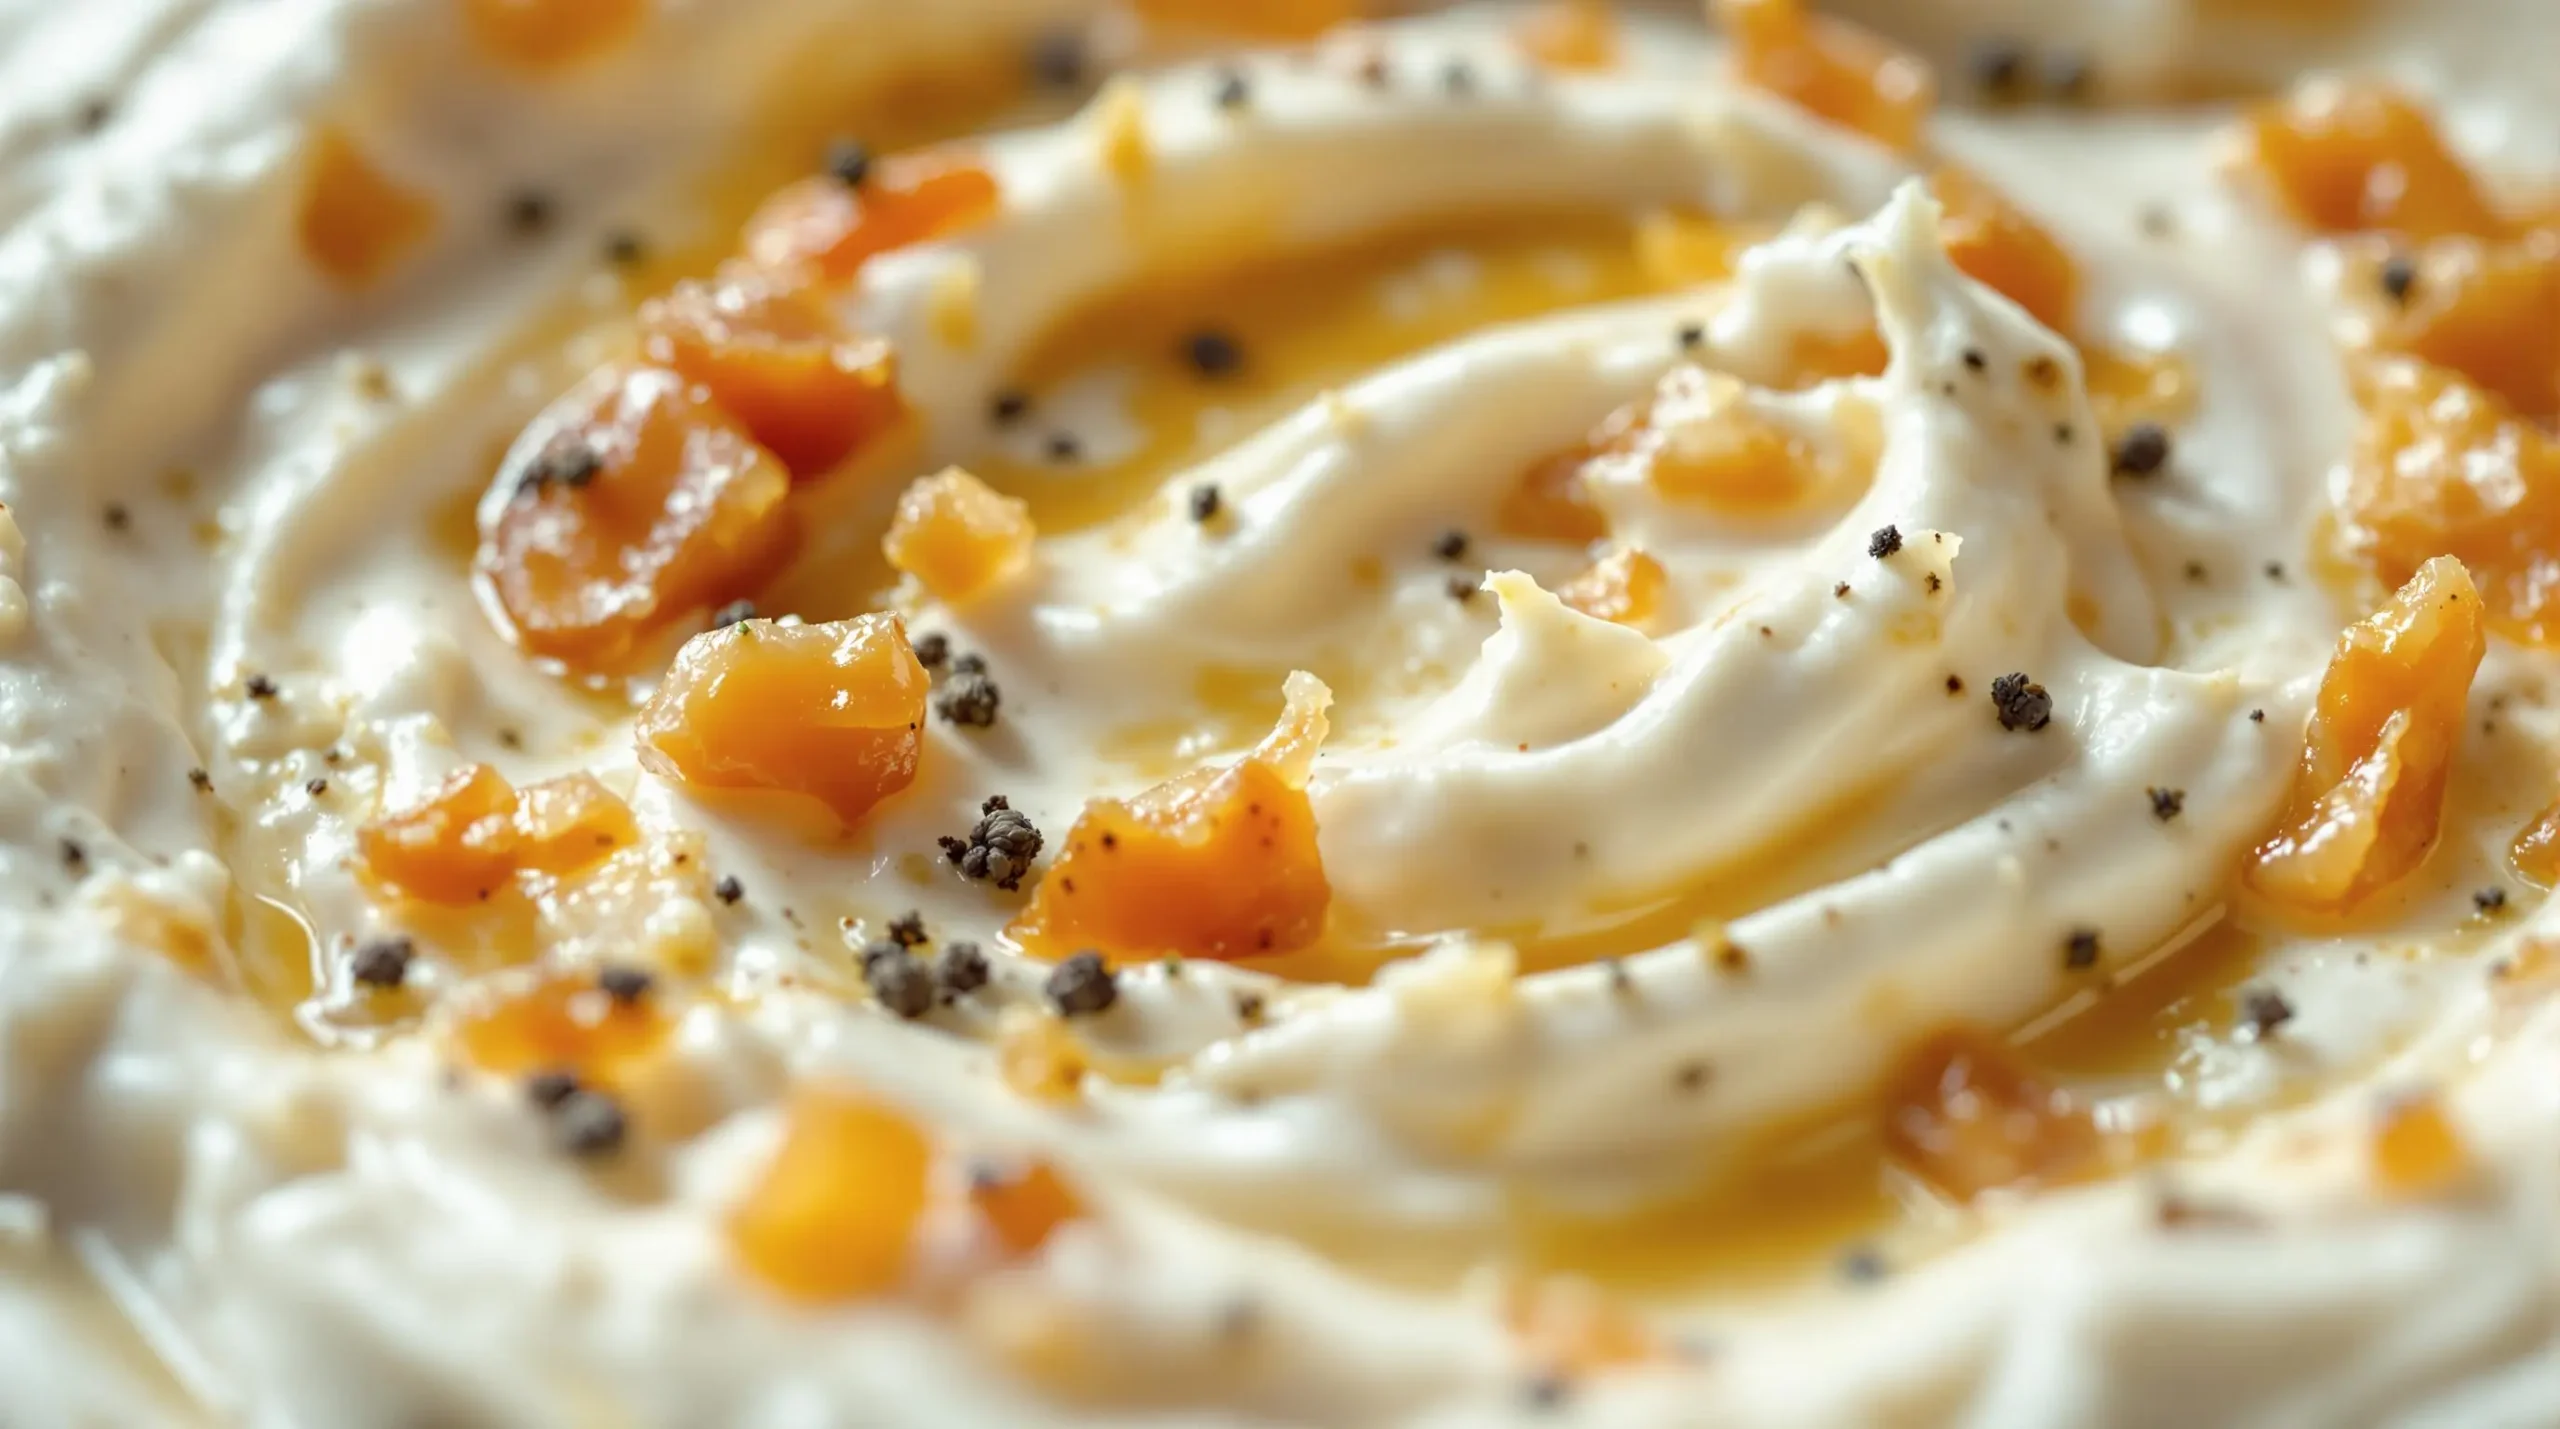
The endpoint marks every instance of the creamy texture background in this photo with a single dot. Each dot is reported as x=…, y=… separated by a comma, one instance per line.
x=343, y=1237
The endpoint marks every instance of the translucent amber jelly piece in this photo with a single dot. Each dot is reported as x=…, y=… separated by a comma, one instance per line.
x=773, y=356
x=1830, y=69
x=1022, y=1203
x=1967, y=1116
x=2344, y=157
x=1551, y=501
x=2416, y=1150
x=2536, y=850
x=355, y=221
x=836, y=227
x=1219, y=864
x=634, y=506
x=2490, y=311
x=1570, y=34
x=565, y=1023
x=541, y=35
x=835, y=1214
x=958, y=537
x=569, y=824
x=1698, y=441
x=1625, y=586
x=833, y=711
x=1999, y=246
x=456, y=845
x=2441, y=467
x=2370, y=790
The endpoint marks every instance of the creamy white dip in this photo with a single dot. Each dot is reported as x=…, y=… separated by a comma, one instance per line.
x=218, y=465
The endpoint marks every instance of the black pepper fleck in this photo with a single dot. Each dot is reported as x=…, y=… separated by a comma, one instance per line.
x=1059, y=58
x=1974, y=361
x=968, y=699
x=1213, y=353
x=1008, y=407
x=1998, y=67
x=117, y=517
x=729, y=890
x=624, y=984
x=1955, y=684
x=1082, y=985
x=1451, y=546
x=1063, y=447
x=1692, y=336
x=963, y=969
x=1863, y=1265
x=901, y=983
x=1234, y=91
x=849, y=162
x=315, y=786
x=1885, y=541
x=202, y=781
x=2489, y=899
x=1000, y=849
x=623, y=248
x=2020, y=702
x=589, y=1124
x=2080, y=949
x=2399, y=277
x=2141, y=451
x=260, y=687
x=550, y=1087
x=2167, y=804
x=94, y=114
x=2257, y=716
x=732, y=613
x=1205, y=502
x=529, y=212
x=2263, y=1010
x=932, y=648
x=907, y=930
x=383, y=962
x=1463, y=588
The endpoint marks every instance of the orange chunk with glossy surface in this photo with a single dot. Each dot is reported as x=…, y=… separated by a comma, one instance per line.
x=1830, y=68
x=353, y=220
x=1995, y=243
x=571, y=823
x=1551, y=501
x=1570, y=34
x=835, y=1214
x=2441, y=467
x=2369, y=793
x=633, y=506
x=565, y=1022
x=1965, y=1115
x=958, y=536
x=1625, y=586
x=773, y=356
x=456, y=845
x=1697, y=440
x=1220, y=864
x=2416, y=1149
x=540, y=35
x=2490, y=311
x=833, y=711
x=2347, y=157
x=1023, y=1204
x=835, y=227
x=2536, y=850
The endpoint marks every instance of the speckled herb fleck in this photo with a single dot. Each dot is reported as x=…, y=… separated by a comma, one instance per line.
x=1082, y=985
x=2021, y=703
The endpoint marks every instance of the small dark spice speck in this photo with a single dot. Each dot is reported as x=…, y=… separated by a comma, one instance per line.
x=589, y=1124
x=117, y=516
x=94, y=114
x=2067, y=75
x=969, y=665
x=1459, y=78
x=1249, y=1007
x=623, y=983
x=1998, y=67
x=1863, y=1265
x=732, y=613
x=1463, y=588
x=963, y=969
x=1373, y=70
x=75, y=856
x=1058, y=58
x=1212, y=353
x=2489, y=899
x=1205, y=502
x=1063, y=447
x=907, y=930
x=2167, y=804
x=1885, y=541
x=1451, y=546
x=529, y=212
x=2141, y=451
x=1955, y=684
x=902, y=983
x=729, y=890
x=1083, y=984
x=1234, y=91
x=932, y=648
x=1974, y=361
x=2257, y=716
x=1692, y=336
x=2080, y=949
x=968, y=699
x=2399, y=277
x=2021, y=703
x=550, y=1087
x=382, y=962
x=2263, y=1010
x=1008, y=406
x=623, y=248
x=260, y=687
x=202, y=780
x=1546, y=1391
x=2275, y=570
x=1691, y=1076
x=1000, y=849
x=315, y=786
x=849, y=162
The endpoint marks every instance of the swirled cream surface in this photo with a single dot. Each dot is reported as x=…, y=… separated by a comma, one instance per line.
x=799, y=712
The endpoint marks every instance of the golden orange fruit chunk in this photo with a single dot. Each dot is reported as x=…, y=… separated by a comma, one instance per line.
x=540, y=35
x=1039, y=1057
x=1552, y=502
x=773, y=356
x=2347, y=157
x=2370, y=790
x=958, y=536
x=1219, y=864
x=1571, y=1327
x=353, y=220
x=564, y=1023
x=1678, y=250
x=833, y=711
x=834, y=1215
x=2536, y=850
x=634, y=506
x=1268, y=19
x=836, y=227
x=1995, y=243
x=1570, y=34
x=1966, y=1116
x=1697, y=440
x=1625, y=586
x=1023, y=1204
x=456, y=845
x=571, y=823
x=1830, y=68
x=2416, y=1150
x=2490, y=311
x=2441, y=467
x=1815, y=357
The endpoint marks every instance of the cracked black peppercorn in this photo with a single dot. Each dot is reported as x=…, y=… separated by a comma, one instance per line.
x=2020, y=702
x=849, y=161
x=1885, y=541
x=2080, y=949
x=1451, y=546
x=1082, y=985
x=2489, y=899
x=624, y=984
x=969, y=699
x=1000, y=849
x=2142, y=451
x=1206, y=502
x=1212, y=353
x=932, y=648
x=383, y=962
x=550, y=1087
x=729, y=889
x=963, y=969
x=588, y=1124
x=2167, y=804
x=907, y=930
x=901, y=983
x=2264, y=1010
x=2399, y=277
